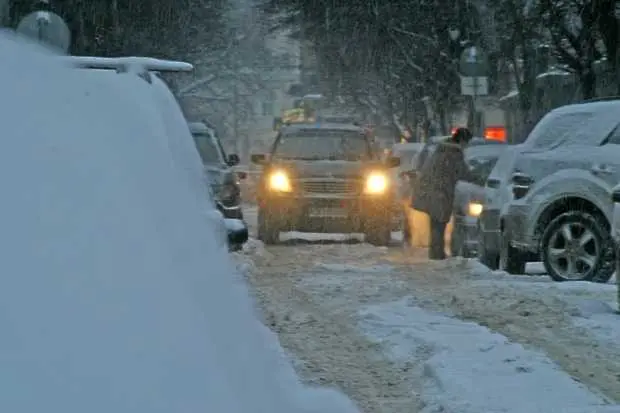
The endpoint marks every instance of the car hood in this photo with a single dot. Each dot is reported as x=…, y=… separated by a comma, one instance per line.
x=328, y=169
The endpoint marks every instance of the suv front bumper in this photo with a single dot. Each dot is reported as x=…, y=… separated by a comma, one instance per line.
x=327, y=212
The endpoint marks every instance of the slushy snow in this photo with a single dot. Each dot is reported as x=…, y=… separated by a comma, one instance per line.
x=116, y=296
x=469, y=369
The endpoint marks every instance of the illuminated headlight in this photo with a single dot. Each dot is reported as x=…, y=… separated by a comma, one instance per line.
x=376, y=183
x=278, y=181
x=474, y=209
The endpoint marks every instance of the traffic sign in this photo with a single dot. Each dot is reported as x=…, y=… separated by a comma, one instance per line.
x=46, y=27
x=474, y=62
x=474, y=86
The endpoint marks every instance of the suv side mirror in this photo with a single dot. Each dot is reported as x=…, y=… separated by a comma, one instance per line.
x=392, y=162
x=233, y=159
x=258, y=159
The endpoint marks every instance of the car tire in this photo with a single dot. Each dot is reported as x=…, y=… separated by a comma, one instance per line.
x=579, y=227
x=486, y=257
x=378, y=233
x=268, y=232
x=511, y=260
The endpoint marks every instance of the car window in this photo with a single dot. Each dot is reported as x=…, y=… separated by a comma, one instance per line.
x=208, y=149
x=554, y=129
x=336, y=145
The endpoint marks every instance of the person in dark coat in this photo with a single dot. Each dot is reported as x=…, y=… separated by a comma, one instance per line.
x=436, y=184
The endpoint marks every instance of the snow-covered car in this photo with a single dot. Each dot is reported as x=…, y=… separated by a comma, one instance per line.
x=561, y=210
x=469, y=199
x=120, y=292
x=585, y=124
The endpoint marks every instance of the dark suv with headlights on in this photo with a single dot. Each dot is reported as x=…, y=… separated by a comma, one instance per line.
x=325, y=178
x=224, y=181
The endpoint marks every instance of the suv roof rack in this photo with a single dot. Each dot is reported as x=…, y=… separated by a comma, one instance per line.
x=141, y=66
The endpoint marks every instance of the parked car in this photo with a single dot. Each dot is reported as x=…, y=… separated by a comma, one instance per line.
x=585, y=125
x=218, y=169
x=561, y=211
x=325, y=178
x=113, y=260
x=469, y=199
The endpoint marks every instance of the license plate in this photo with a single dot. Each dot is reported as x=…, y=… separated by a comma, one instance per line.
x=327, y=212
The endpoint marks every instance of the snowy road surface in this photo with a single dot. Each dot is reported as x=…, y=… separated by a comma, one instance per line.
x=397, y=333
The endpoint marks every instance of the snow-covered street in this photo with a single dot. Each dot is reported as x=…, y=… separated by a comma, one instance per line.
x=397, y=333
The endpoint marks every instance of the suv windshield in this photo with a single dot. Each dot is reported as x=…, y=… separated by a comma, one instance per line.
x=338, y=145
x=209, y=151
x=561, y=128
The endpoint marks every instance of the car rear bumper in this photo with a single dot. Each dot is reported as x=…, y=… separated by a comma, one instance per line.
x=329, y=213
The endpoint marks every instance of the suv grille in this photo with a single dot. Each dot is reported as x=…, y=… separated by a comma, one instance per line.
x=330, y=187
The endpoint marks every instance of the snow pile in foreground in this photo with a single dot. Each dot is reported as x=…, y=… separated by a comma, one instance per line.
x=116, y=297
x=469, y=369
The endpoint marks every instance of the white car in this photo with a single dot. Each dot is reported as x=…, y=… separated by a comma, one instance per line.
x=586, y=124
x=561, y=211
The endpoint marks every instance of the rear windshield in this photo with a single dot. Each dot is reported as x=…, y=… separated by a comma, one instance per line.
x=322, y=144
x=554, y=129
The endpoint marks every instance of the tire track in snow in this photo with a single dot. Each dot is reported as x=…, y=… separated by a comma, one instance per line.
x=328, y=344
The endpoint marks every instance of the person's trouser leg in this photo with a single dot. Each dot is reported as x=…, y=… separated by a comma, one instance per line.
x=437, y=241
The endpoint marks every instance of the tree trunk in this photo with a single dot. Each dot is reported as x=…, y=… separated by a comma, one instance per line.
x=588, y=83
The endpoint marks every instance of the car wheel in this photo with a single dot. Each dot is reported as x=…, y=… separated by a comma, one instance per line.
x=378, y=234
x=511, y=259
x=268, y=232
x=486, y=257
x=576, y=246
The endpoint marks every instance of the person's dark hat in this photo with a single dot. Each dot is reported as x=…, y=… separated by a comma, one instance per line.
x=462, y=135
